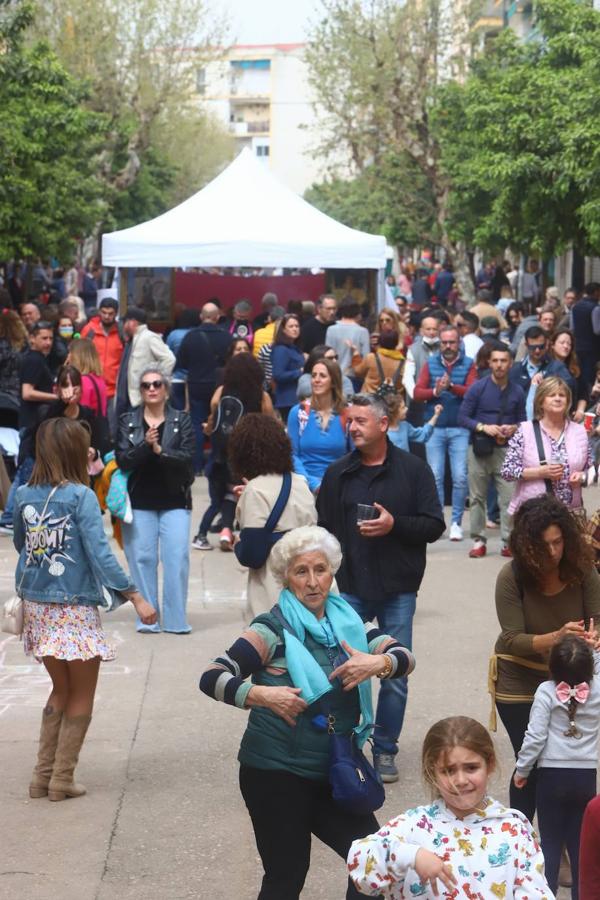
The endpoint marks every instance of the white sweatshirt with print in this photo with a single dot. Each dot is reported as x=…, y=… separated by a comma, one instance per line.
x=492, y=853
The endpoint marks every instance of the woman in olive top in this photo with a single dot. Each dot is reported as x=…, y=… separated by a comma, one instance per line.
x=550, y=589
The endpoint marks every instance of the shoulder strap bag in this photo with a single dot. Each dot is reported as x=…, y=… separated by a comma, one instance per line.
x=537, y=430
x=255, y=544
x=356, y=787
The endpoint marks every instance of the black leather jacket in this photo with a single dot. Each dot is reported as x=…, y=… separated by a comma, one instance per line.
x=178, y=447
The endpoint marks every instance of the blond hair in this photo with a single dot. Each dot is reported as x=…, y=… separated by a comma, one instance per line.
x=84, y=356
x=547, y=387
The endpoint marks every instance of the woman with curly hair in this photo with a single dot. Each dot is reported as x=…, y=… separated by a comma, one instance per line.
x=549, y=590
x=241, y=393
x=260, y=454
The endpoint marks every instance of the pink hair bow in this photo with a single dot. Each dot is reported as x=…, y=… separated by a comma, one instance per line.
x=565, y=692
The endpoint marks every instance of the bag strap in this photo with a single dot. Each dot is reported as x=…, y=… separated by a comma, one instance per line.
x=396, y=376
x=379, y=365
x=96, y=388
x=541, y=452
x=280, y=503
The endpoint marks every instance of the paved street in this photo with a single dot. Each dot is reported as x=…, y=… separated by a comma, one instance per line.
x=163, y=818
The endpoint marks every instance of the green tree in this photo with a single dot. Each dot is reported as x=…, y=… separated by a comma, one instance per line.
x=521, y=138
x=141, y=59
x=375, y=68
x=48, y=140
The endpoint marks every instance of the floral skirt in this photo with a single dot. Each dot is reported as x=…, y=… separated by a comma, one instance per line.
x=64, y=632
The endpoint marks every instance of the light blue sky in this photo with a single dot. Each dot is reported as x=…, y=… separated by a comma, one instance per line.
x=268, y=21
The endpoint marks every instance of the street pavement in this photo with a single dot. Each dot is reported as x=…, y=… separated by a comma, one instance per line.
x=163, y=818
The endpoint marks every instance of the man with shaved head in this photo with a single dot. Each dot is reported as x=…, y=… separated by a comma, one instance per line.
x=201, y=353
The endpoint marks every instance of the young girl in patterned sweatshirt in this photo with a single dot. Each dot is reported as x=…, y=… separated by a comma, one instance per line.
x=464, y=844
x=562, y=738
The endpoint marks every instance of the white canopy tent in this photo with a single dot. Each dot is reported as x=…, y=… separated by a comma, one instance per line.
x=244, y=217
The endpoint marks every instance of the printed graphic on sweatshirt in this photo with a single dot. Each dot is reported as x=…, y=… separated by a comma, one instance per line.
x=47, y=539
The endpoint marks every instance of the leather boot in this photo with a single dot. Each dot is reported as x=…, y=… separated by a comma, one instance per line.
x=71, y=737
x=42, y=773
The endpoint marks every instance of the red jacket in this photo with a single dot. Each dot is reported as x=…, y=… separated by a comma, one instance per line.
x=110, y=350
x=589, y=852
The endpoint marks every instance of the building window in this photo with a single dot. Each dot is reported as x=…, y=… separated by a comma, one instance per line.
x=262, y=150
x=200, y=81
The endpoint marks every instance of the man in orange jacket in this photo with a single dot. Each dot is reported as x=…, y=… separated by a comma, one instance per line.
x=105, y=332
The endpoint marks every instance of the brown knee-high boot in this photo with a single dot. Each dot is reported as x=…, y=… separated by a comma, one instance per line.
x=42, y=773
x=71, y=737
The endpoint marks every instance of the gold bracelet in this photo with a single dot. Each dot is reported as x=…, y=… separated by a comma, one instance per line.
x=387, y=668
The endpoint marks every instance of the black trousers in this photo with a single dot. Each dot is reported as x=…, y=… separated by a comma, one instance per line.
x=286, y=810
x=562, y=796
x=515, y=718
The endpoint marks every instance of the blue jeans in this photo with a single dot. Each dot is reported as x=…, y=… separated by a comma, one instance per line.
x=22, y=476
x=456, y=442
x=394, y=616
x=169, y=531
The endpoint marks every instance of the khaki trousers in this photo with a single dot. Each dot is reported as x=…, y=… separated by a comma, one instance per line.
x=481, y=469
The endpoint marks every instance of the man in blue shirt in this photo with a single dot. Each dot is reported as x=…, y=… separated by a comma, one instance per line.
x=491, y=409
x=536, y=366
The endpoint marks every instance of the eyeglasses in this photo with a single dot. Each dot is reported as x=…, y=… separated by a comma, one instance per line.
x=146, y=385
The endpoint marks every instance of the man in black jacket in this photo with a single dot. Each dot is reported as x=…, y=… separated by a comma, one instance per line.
x=201, y=353
x=384, y=557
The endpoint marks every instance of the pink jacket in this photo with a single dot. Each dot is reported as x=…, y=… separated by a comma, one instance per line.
x=89, y=394
x=576, y=442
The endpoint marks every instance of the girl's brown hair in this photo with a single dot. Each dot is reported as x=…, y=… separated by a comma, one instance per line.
x=445, y=735
x=338, y=401
x=61, y=453
x=84, y=356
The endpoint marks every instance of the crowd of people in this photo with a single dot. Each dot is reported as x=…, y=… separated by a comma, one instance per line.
x=330, y=440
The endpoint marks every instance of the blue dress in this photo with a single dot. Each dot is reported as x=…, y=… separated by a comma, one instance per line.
x=315, y=449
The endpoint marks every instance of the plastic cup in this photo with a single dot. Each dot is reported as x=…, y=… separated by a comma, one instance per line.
x=588, y=421
x=365, y=513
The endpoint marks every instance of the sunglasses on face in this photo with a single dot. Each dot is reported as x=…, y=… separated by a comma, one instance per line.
x=146, y=385
x=331, y=356
x=533, y=347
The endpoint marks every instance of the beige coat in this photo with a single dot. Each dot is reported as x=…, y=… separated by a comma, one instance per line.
x=148, y=349
x=255, y=504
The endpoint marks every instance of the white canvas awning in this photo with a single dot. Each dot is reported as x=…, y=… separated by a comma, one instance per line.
x=244, y=217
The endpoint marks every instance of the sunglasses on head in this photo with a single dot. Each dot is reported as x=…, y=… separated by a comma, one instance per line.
x=146, y=385
x=331, y=356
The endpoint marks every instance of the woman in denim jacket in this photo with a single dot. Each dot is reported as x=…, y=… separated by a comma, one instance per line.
x=66, y=570
x=156, y=447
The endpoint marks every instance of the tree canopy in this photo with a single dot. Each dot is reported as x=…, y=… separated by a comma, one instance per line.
x=49, y=194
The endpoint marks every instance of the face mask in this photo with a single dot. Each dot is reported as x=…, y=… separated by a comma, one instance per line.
x=430, y=341
x=66, y=332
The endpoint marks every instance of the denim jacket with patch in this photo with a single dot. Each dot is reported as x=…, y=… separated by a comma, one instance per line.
x=66, y=557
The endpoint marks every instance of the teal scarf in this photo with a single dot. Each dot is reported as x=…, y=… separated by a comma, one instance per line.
x=304, y=670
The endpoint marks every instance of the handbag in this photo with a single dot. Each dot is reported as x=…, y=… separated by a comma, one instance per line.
x=255, y=544
x=13, y=612
x=483, y=444
x=356, y=786
x=13, y=615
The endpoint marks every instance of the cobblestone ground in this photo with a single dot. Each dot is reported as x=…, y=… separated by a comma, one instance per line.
x=163, y=818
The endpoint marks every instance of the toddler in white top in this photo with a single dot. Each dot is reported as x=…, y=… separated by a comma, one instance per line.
x=463, y=844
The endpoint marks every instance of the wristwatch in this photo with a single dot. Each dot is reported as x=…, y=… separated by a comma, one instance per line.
x=479, y=426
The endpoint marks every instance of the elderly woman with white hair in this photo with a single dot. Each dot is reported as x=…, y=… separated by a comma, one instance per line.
x=155, y=447
x=321, y=660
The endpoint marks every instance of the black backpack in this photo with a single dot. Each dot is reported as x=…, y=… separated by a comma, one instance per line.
x=229, y=412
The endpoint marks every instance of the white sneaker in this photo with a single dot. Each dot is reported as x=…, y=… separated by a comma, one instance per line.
x=456, y=532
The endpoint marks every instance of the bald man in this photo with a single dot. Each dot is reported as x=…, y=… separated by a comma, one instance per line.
x=201, y=353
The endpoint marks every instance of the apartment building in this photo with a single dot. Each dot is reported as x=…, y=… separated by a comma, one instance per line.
x=261, y=93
